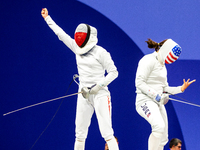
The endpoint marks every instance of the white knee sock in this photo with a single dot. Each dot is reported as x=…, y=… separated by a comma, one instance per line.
x=79, y=145
x=161, y=148
x=112, y=144
x=153, y=142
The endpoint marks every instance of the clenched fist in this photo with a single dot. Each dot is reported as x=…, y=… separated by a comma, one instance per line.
x=44, y=13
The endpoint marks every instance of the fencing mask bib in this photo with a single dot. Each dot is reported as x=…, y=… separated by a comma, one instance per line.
x=169, y=52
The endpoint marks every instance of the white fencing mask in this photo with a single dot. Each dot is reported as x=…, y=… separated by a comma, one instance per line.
x=85, y=37
x=169, y=52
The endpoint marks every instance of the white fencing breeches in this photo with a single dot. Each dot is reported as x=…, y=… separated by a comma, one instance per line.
x=99, y=103
x=157, y=118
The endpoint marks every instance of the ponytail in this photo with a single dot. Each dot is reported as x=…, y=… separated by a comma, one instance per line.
x=155, y=45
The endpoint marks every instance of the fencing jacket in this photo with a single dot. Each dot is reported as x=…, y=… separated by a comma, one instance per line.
x=151, y=79
x=91, y=65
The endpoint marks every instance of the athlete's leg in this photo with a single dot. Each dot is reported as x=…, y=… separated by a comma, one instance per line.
x=151, y=112
x=164, y=138
x=103, y=107
x=84, y=112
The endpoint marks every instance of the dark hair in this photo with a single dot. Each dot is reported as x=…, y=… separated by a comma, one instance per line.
x=155, y=45
x=174, y=142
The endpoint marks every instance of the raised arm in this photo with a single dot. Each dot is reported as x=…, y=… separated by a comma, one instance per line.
x=64, y=37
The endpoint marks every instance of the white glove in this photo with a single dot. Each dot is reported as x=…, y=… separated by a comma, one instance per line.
x=163, y=99
x=94, y=89
x=85, y=92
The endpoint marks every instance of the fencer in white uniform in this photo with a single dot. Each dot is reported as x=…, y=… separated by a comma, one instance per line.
x=151, y=84
x=92, y=62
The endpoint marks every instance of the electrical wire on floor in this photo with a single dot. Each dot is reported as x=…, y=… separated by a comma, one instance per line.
x=52, y=117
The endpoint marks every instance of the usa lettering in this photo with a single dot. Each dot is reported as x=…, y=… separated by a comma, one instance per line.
x=146, y=110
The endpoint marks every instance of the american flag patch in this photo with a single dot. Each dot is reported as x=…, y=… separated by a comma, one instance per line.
x=173, y=55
